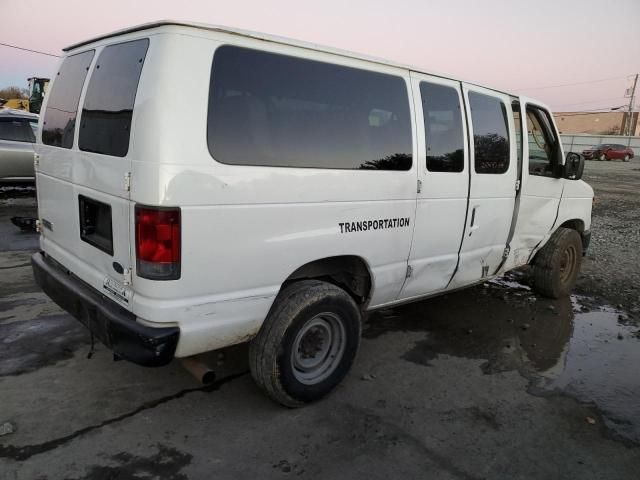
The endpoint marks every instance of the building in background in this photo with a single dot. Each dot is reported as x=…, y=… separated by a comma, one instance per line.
x=596, y=123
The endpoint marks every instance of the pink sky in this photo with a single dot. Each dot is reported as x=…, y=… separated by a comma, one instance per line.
x=507, y=44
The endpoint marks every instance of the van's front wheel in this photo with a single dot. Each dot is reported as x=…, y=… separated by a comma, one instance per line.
x=556, y=266
x=307, y=344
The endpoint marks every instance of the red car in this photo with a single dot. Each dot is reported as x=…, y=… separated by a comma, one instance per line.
x=608, y=151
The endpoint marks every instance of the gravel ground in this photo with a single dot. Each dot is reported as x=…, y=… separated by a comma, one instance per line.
x=612, y=267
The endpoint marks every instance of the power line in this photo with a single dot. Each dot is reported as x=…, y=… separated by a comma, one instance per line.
x=29, y=50
x=571, y=84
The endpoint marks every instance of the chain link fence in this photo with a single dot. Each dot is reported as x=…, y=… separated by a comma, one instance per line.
x=579, y=142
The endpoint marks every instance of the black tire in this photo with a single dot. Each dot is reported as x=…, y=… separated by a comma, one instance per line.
x=271, y=352
x=556, y=265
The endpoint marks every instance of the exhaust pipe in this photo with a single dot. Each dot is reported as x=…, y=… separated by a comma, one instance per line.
x=199, y=370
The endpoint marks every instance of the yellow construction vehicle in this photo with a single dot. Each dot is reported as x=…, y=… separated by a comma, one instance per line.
x=37, y=89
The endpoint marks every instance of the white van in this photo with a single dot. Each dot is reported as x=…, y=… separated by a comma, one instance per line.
x=200, y=186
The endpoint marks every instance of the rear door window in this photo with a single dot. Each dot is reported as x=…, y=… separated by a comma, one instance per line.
x=275, y=110
x=17, y=130
x=60, y=116
x=490, y=133
x=108, y=106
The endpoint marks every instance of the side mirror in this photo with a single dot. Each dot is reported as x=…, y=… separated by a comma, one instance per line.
x=573, y=166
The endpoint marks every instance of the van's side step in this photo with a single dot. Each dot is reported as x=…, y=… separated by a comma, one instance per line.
x=113, y=325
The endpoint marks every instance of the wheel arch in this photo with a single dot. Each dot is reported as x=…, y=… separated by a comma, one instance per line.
x=576, y=224
x=349, y=272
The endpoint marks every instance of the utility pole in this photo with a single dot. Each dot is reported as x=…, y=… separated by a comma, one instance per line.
x=629, y=115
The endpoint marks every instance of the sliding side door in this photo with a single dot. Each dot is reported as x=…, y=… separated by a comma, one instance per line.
x=443, y=184
x=493, y=184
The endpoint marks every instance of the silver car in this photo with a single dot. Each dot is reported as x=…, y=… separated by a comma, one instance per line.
x=17, y=136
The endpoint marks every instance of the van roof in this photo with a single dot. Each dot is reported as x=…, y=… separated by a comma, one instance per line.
x=268, y=38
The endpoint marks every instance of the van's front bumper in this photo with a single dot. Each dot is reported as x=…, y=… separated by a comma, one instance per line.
x=113, y=325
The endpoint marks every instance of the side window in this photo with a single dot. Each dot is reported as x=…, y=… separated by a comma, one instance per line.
x=490, y=133
x=442, y=128
x=542, y=143
x=108, y=105
x=517, y=120
x=268, y=109
x=62, y=107
x=17, y=130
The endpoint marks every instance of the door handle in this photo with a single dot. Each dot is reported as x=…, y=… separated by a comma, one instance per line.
x=473, y=226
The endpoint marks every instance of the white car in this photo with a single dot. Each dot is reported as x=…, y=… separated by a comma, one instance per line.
x=17, y=136
x=294, y=189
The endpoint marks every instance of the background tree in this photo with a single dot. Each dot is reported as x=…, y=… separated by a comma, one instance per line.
x=14, y=92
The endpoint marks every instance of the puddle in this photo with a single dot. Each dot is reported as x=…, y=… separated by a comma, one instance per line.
x=569, y=346
x=600, y=365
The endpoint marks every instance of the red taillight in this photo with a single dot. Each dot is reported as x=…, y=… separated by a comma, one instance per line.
x=158, y=242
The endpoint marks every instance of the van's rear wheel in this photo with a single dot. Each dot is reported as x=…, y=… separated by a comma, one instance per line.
x=556, y=266
x=307, y=344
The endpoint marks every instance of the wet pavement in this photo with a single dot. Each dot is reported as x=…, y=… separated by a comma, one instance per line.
x=19, y=202
x=599, y=364
x=490, y=382
x=569, y=346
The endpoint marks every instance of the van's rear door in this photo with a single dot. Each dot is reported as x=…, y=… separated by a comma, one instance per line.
x=85, y=163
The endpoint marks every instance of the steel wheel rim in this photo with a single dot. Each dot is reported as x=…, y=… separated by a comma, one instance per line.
x=567, y=263
x=318, y=348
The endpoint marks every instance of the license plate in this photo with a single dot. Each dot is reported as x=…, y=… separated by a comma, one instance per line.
x=116, y=289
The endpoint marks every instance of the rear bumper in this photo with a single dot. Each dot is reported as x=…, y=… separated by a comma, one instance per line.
x=113, y=325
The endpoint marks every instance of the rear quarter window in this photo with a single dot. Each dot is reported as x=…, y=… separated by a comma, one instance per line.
x=108, y=106
x=270, y=109
x=62, y=106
